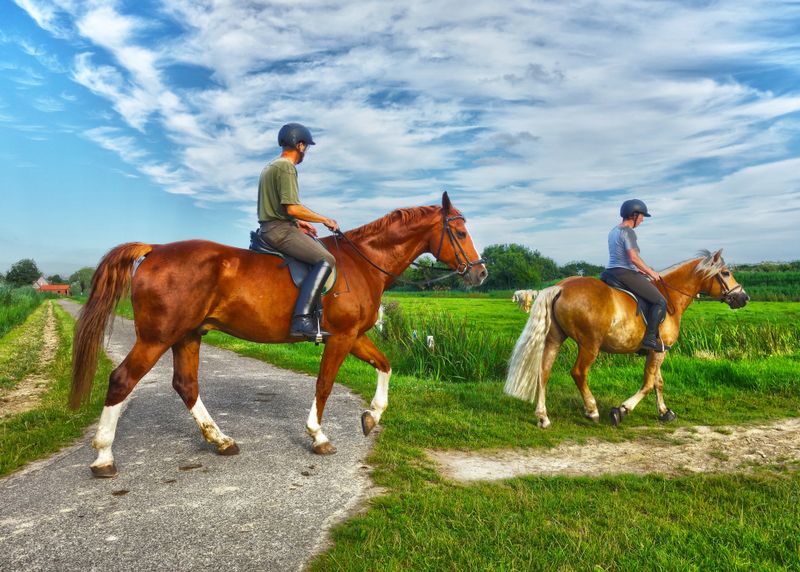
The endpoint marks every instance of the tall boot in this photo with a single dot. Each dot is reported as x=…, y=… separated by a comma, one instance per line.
x=304, y=317
x=651, y=341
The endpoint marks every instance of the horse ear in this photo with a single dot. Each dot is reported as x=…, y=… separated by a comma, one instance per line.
x=717, y=255
x=446, y=203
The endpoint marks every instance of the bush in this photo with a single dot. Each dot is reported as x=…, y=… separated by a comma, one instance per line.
x=16, y=304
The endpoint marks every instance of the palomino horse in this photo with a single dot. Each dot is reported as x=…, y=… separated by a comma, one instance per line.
x=182, y=290
x=599, y=317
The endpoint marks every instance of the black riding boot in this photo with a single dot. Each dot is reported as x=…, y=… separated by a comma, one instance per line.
x=304, y=318
x=651, y=341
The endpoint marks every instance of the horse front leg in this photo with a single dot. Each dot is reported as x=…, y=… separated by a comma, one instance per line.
x=664, y=413
x=365, y=350
x=336, y=349
x=651, y=368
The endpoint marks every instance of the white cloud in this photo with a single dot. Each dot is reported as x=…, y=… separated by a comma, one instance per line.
x=523, y=113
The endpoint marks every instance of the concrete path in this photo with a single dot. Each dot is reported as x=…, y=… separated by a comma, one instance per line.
x=176, y=504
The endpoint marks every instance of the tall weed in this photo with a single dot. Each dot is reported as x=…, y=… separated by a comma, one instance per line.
x=16, y=304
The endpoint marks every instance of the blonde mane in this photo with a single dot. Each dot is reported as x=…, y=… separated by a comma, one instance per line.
x=707, y=267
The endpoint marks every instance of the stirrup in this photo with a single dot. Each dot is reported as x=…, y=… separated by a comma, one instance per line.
x=305, y=328
x=659, y=345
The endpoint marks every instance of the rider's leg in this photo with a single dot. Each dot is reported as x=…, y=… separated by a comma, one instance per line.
x=287, y=238
x=641, y=286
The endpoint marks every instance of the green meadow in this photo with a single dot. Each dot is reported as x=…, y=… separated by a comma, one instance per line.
x=725, y=370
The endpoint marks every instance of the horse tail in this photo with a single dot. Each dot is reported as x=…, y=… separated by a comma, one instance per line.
x=110, y=281
x=525, y=366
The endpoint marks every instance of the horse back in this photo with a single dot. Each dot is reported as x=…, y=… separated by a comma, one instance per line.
x=596, y=315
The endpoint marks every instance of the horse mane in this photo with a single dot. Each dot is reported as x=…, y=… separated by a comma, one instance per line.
x=379, y=227
x=707, y=267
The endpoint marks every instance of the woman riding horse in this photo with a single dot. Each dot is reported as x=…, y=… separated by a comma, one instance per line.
x=601, y=318
x=626, y=266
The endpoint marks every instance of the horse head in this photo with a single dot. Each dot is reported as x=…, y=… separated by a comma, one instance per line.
x=452, y=245
x=718, y=281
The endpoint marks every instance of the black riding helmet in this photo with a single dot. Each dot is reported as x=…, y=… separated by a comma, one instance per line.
x=631, y=207
x=293, y=133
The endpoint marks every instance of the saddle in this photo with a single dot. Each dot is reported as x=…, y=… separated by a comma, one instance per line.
x=641, y=305
x=297, y=268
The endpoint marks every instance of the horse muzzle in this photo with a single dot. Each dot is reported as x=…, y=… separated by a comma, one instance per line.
x=736, y=300
x=476, y=275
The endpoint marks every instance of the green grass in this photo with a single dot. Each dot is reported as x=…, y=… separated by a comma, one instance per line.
x=20, y=348
x=423, y=522
x=16, y=304
x=51, y=425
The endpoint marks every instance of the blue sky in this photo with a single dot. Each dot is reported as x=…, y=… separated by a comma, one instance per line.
x=150, y=121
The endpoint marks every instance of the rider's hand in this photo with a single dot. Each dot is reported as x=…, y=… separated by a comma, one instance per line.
x=655, y=276
x=332, y=225
x=307, y=227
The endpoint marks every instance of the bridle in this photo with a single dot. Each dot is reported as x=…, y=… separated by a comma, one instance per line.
x=726, y=297
x=463, y=263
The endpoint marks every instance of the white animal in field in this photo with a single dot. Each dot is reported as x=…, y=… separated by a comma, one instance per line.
x=524, y=299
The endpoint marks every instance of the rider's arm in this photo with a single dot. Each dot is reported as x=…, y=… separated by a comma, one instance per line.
x=300, y=212
x=639, y=263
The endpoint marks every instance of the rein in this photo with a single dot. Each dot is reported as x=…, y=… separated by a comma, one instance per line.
x=727, y=292
x=464, y=265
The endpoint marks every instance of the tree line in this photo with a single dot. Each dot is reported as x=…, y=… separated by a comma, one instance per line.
x=25, y=272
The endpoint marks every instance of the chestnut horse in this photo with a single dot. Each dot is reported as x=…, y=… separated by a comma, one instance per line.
x=601, y=318
x=182, y=290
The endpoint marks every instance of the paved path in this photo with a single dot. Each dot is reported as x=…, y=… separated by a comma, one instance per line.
x=176, y=504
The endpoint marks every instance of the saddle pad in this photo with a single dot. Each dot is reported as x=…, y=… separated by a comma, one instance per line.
x=297, y=268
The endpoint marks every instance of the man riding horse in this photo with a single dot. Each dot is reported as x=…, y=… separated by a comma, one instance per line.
x=286, y=225
x=627, y=267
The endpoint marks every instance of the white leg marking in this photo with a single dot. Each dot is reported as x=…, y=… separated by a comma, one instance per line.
x=313, y=427
x=210, y=430
x=104, y=437
x=381, y=399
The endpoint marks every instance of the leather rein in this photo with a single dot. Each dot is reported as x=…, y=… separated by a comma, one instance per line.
x=463, y=262
x=726, y=297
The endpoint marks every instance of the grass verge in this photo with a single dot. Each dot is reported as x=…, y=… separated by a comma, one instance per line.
x=51, y=425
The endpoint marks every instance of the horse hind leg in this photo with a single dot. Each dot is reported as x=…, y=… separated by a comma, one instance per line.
x=123, y=379
x=186, y=362
x=555, y=337
x=580, y=374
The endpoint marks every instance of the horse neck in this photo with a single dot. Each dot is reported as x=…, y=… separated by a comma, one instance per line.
x=396, y=247
x=685, y=279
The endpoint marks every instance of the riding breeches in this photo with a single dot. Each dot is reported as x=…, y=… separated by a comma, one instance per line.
x=639, y=285
x=288, y=239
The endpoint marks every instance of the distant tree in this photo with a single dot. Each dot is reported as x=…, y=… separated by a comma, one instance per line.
x=513, y=266
x=56, y=279
x=23, y=273
x=83, y=277
x=575, y=269
x=422, y=272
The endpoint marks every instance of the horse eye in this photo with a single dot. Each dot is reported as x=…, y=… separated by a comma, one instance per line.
x=461, y=234
x=725, y=273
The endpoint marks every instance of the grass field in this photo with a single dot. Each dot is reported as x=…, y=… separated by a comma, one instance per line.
x=748, y=521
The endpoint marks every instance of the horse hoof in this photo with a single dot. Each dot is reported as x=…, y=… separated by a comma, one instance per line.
x=667, y=416
x=325, y=448
x=544, y=423
x=593, y=417
x=617, y=414
x=230, y=449
x=367, y=423
x=105, y=471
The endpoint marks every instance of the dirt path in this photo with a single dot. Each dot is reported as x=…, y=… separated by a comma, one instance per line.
x=689, y=450
x=26, y=395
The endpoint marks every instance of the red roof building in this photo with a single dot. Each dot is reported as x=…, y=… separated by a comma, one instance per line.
x=60, y=289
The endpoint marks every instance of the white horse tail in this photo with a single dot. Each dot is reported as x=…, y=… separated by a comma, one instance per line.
x=525, y=366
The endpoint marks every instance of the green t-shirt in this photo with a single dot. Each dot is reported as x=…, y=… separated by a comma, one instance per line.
x=277, y=187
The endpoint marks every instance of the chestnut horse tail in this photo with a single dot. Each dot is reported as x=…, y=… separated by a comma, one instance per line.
x=109, y=282
x=525, y=367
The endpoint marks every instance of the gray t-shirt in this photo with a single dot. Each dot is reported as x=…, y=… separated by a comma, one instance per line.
x=620, y=240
